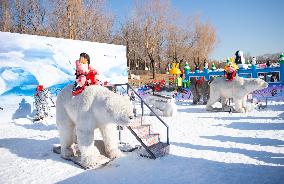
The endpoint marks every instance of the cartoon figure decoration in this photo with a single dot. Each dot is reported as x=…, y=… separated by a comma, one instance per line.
x=85, y=74
x=253, y=61
x=281, y=58
x=171, y=80
x=158, y=86
x=206, y=66
x=42, y=104
x=179, y=83
x=196, y=66
x=239, y=57
x=175, y=69
x=230, y=69
x=168, y=68
x=213, y=67
x=186, y=70
x=186, y=83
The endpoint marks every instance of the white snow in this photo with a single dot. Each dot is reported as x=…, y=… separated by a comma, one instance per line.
x=206, y=147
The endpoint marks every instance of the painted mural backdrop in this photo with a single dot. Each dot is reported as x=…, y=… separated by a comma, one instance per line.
x=29, y=60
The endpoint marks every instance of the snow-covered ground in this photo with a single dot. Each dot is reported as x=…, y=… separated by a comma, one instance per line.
x=205, y=147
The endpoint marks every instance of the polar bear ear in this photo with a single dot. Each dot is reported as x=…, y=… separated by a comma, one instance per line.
x=254, y=82
x=241, y=81
x=126, y=98
x=110, y=106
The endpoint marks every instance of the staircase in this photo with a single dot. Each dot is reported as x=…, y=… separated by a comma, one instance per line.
x=142, y=131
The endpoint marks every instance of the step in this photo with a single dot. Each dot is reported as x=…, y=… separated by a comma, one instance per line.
x=142, y=130
x=136, y=122
x=151, y=139
x=159, y=150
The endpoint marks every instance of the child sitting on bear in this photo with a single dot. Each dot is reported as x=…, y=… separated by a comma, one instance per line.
x=85, y=74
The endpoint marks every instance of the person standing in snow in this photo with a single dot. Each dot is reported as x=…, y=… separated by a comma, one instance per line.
x=85, y=74
x=42, y=104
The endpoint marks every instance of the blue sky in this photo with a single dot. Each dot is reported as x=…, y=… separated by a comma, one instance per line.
x=254, y=26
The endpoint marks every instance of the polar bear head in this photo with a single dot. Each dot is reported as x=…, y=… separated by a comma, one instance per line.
x=120, y=109
x=253, y=84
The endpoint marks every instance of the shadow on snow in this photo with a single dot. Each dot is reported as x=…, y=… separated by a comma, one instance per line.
x=265, y=156
x=184, y=170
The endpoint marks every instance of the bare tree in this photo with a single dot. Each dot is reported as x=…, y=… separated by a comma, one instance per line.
x=27, y=17
x=150, y=16
x=5, y=18
x=132, y=35
x=82, y=20
x=175, y=43
x=200, y=40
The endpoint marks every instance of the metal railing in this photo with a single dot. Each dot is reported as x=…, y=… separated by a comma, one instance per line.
x=142, y=106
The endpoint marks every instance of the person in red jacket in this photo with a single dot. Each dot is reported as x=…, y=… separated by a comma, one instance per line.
x=85, y=74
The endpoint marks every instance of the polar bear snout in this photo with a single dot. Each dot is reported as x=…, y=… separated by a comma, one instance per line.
x=259, y=83
x=125, y=121
x=265, y=85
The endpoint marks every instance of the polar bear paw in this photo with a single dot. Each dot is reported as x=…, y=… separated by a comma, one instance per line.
x=67, y=153
x=114, y=153
x=241, y=110
x=209, y=108
x=90, y=162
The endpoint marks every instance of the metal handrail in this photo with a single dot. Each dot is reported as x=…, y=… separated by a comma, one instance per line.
x=143, y=102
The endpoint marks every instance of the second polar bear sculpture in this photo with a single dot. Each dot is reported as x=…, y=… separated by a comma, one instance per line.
x=161, y=105
x=78, y=116
x=237, y=89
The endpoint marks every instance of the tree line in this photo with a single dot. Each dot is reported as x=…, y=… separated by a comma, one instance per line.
x=154, y=33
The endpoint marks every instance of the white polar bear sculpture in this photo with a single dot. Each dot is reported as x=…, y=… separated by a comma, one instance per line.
x=238, y=89
x=78, y=116
x=162, y=106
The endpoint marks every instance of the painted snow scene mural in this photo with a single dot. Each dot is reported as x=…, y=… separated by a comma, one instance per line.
x=112, y=132
x=29, y=60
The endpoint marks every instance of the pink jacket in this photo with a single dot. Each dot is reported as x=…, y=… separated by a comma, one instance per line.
x=82, y=68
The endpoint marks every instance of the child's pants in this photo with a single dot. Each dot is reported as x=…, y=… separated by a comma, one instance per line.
x=81, y=80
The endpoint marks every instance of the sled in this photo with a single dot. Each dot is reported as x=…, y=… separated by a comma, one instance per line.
x=76, y=159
